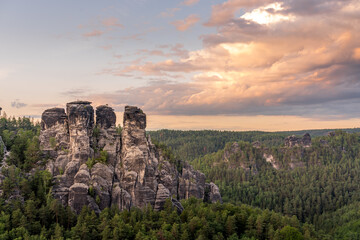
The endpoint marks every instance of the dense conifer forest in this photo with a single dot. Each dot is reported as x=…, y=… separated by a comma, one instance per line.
x=319, y=184
x=192, y=144
x=313, y=194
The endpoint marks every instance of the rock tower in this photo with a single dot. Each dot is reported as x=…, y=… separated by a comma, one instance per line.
x=94, y=164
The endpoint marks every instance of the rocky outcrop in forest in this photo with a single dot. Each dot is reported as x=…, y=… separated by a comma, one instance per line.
x=3, y=150
x=293, y=141
x=95, y=164
x=292, y=155
x=251, y=157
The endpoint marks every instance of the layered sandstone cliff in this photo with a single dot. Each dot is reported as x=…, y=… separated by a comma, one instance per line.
x=94, y=164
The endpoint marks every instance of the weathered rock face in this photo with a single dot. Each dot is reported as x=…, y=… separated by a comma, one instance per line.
x=124, y=169
x=52, y=117
x=306, y=140
x=54, y=139
x=136, y=168
x=105, y=117
x=3, y=155
x=293, y=141
x=213, y=193
x=233, y=149
x=81, y=122
x=256, y=144
x=3, y=150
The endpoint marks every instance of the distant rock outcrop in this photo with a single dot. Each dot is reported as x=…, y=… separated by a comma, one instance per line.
x=256, y=144
x=293, y=141
x=3, y=154
x=251, y=157
x=95, y=165
x=3, y=150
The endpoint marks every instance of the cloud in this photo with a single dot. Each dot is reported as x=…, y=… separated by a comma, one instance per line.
x=106, y=25
x=179, y=51
x=111, y=22
x=118, y=56
x=190, y=2
x=138, y=36
x=308, y=65
x=94, y=33
x=106, y=47
x=75, y=93
x=17, y=104
x=170, y=12
x=176, y=50
x=317, y=7
x=269, y=14
x=43, y=105
x=224, y=12
x=183, y=25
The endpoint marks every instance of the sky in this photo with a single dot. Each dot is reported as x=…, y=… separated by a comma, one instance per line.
x=189, y=64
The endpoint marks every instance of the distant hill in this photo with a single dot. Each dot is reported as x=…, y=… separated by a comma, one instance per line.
x=192, y=144
x=317, y=180
x=320, y=132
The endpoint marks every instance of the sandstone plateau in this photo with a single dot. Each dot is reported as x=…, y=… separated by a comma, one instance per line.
x=95, y=164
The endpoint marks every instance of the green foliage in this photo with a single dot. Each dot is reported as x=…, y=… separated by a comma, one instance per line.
x=322, y=196
x=91, y=191
x=289, y=233
x=193, y=144
x=169, y=155
x=344, y=223
x=328, y=177
x=328, y=180
x=118, y=129
x=32, y=153
x=102, y=158
x=21, y=139
x=50, y=220
x=96, y=132
x=1, y=151
x=52, y=141
x=90, y=162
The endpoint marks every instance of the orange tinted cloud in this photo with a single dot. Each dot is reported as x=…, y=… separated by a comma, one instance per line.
x=106, y=47
x=356, y=54
x=111, y=22
x=183, y=25
x=244, y=123
x=94, y=33
x=224, y=12
x=190, y=2
x=169, y=12
x=308, y=64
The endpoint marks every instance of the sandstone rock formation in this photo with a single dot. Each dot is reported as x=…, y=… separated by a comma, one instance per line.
x=306, y=140
x=3, y=150
x=293, y=141
x=94, y=164
x=256, y=144
x=3, y=155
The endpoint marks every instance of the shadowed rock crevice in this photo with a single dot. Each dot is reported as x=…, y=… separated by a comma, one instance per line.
x=92, y=164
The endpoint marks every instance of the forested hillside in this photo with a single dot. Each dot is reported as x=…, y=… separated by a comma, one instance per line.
x=28, y=210
x=320, y=184
x=313, y=194
x=193, y=144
